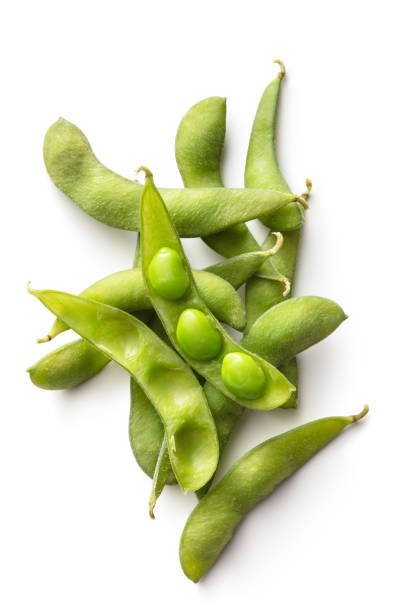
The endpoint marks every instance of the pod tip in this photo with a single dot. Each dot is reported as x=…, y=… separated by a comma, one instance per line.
x=46, y=338
x=148, y=173
x=360, y=415
x=282, y=68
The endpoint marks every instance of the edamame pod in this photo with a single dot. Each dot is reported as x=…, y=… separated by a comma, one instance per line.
x=114, y=200
x=292, y=326
x=261, y=169
x=199, y=145
x=126, y=290
x=67, y=366
x=157, y=231
x=165, y=378
x=213, y=521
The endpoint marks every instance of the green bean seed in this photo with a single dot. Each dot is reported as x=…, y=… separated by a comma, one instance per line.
x=197, y=336
x=167, y=275
x=115, y=200
x=213, y=521
x=157, y=230
x=164, y=377
x=242, y=376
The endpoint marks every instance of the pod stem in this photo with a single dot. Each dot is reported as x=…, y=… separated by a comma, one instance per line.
x=287, y=286
x=46, y=338
x=278, y=243
x=148, y=173
x=360, y=415
x=282, y=68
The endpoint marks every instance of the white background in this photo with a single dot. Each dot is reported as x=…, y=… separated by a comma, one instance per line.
x=75, y=533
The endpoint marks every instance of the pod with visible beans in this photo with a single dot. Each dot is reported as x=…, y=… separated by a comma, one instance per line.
x=252, y=478
x=164, y=377
x=114, y=200
x=157, y=231
x=199, y=144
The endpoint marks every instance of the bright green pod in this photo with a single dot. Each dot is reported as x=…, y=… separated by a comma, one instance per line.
x=157, y=230
x=67, y=366
x=167, y=275
x=200, y=142
x=126, y=290
x=114, y=200
x=261, y=169
x=242, y=376
x=292, y=326
x=197, y=335
x=164, y=377
x=252, y=478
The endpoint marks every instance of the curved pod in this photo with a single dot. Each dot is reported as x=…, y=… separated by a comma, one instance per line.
x=164, y=377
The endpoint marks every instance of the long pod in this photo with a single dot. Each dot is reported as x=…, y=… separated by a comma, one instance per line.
x=262, y=169
x=213, y=521
x=114, y=200
x=164, y=377
x=158, y=232
x=199, y=145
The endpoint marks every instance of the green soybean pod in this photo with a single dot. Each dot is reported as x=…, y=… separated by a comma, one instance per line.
x=157, y=231
x=252, y=478
x=67, y=366
x=199, y=145
x=164, y=377
x=114, y=200
x=261, y=169
x=126, y=290
x=292, y=326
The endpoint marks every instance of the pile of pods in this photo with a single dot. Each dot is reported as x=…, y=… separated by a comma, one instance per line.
x=160, y=320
